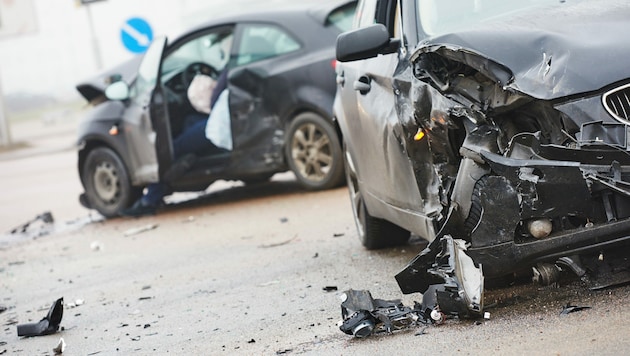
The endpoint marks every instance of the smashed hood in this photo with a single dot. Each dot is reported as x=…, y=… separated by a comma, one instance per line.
x=545, y=52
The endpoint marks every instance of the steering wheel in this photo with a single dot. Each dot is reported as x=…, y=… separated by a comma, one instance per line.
x=195, y=68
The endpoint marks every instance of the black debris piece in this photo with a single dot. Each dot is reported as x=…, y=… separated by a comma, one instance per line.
x=251, y=341
x=363, y=315
x=284, y=352
x=338, y=234
x=30, y=226
x=448, y=279
x=284, y=220
x=48, y=325
x=572, y=308
x=330, y=288
x=3, y=309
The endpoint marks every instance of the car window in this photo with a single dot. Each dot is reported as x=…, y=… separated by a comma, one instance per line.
x=212, y=48
x=262, y=41
x=342, y=17
x=441, y=16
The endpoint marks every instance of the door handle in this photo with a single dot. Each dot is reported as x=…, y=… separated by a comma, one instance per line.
x=362, y=85
x=341, y=78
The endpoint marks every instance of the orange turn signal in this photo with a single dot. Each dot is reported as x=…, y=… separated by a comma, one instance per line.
x=419, y=135
x=113, y=130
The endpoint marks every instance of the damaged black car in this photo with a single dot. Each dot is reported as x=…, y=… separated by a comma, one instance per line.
x=281, y=85
x=497, y=130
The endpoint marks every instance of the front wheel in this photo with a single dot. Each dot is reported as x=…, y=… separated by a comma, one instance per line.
x=107, y=185
x=313, y=152
x=374, y=233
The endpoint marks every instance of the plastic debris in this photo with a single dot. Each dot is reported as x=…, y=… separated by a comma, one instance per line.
x=48, y=325
x=60, y=348
x=138, y=230
x=32, y=228
x=363, y=315
x=572, y=308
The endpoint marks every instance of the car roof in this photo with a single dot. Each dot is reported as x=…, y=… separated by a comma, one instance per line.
x=319, y=12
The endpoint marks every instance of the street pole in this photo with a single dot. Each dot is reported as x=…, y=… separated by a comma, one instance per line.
x=95, y=47
x=5, y=132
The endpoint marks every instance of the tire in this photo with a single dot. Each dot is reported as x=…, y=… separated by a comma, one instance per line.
x=373, y=232
x=313, y=152
x=106, y=181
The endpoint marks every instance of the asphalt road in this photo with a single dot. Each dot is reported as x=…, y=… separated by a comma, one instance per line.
x=244, y=270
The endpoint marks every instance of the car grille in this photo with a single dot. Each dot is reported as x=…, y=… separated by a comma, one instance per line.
x=617, y=103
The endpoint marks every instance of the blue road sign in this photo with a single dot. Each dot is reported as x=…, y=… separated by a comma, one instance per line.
x=136, y=35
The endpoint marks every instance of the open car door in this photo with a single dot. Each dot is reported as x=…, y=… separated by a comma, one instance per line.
x=147, y=128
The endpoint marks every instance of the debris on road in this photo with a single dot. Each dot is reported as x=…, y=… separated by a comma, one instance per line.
x=279, y=243
x=36, y=230
x=572, y=308
x=48, y=325
x=447, y=278
x=330, y=288
x=363, y=315
x=60, y=348
x=96, y=246
x=141, y=229
x=74, y=304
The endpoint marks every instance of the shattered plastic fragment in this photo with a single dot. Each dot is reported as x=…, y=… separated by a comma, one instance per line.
x=447, y=278
x=140, y=229
x=48, y=325
x=572, y=308
x=362, y=315
x=60, y=348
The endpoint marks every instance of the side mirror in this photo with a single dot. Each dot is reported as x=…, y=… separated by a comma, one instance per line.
x=365, y=43
x=117, y=91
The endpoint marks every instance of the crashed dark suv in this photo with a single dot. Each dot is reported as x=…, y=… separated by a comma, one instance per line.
x=497, y=130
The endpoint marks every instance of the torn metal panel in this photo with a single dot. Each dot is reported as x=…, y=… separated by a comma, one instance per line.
x=452, y=275
x=48, y=325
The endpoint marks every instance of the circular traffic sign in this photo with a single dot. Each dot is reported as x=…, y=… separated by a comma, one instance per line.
x=136, y=35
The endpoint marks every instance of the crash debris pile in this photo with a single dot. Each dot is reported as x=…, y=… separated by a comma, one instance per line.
x=451, y=287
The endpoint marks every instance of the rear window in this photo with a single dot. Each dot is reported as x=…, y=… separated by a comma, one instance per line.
x=342, y=17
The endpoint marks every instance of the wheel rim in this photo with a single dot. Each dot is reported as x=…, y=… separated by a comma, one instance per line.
x=356, y=198
x=106, y=182
x=312, y=152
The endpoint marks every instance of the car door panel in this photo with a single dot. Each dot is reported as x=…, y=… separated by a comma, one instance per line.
x=146, y=120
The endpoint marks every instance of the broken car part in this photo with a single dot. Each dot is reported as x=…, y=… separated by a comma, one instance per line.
x=363, y=315
x=48, y=325
x=46, y=218
x=447, y=277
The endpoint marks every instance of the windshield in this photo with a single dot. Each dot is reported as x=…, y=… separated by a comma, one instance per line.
x=442, y=16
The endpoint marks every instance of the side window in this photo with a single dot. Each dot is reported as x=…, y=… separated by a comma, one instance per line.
x=212, y=48
x=342, y=17
x=262, y=41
